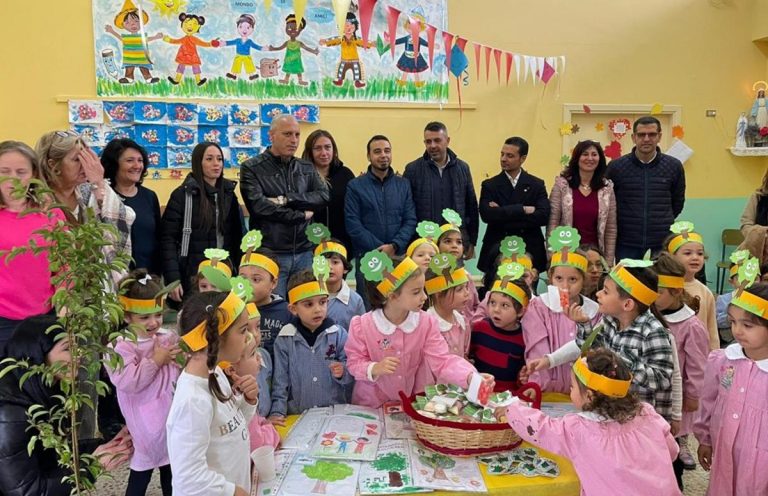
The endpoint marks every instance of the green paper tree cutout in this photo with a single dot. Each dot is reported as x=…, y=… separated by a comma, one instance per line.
x=749, y=272
x=251, y=242
x=443, y=264
x=564, y=239
x=324, y=472
x=393, y=463
x=510, y=271
x=377, y=266
x=428, y=229
x=682, y=227
x=438, y=462
x=452, y=217
x=317, y=233
x=512, y=247
x=635, y=264
x=740, y=256
x=163, y=292
x=321, y=269
x=215, y=255
x=242, y=288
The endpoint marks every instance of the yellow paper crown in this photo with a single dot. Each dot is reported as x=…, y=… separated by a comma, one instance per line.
x=398, y=276
x=512, y=290
x=262, y=262
x=734, y=270
x=304, y=291
x=253, y=311
x=443, y=282
x=219, y=265
x=523, y=260
x=229, y=310
x=685, y=234
x=632, y=285
x=671, y=282
x=614, y=388
x=570, y=259
x=331, y=247
x=142, y=306
x=751, y=303
x=420, y=241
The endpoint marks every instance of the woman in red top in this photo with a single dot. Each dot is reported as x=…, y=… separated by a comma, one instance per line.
x=583, y=198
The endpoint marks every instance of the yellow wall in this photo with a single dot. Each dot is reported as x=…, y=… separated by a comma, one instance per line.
x=693, y=53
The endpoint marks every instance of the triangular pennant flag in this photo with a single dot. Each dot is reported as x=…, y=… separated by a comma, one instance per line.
x=562, y=71
x=340, y=9
x=527, y=66
x=392, y=16
x=539, y=66
x=431, y=32
x=510, y=57
x=415, y=25
x=547, y=72
x=497, y=59
x=461, y=43
x=517, y=66
x=532, y=69
x=477, y=47
x=487, y=63
x=447, y=46
x=366, y=14
x=267, y=5
x=299, y=7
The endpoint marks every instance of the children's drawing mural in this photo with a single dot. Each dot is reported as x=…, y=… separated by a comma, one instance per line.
x=278, y=49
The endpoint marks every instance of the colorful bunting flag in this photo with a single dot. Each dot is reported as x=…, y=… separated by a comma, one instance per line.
x=365, y=15
x=392, y=17
x=340, y=9
x=431, y=32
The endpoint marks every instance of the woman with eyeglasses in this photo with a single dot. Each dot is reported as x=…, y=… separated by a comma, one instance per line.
x=25, y=281
x=583, y=198
x=125, y=167
x=74, y=173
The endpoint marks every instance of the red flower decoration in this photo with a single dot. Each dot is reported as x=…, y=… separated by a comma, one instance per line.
x=764, y=131
x=613, y=151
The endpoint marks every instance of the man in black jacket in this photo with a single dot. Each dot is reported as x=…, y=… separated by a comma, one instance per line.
x=650, y=192
x=439, y=179
x=280, y=192
x=513, y=203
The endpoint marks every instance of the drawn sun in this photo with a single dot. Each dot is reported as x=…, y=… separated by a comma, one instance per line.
x=169, y=8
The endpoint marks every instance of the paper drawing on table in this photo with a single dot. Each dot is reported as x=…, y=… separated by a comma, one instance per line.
x=283, y=459
x=312, y=476
x=390, y=472
x=347, y=437
x=437, y=471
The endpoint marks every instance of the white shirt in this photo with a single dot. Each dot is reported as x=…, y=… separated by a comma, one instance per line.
x=513, y=180
x=208, y=441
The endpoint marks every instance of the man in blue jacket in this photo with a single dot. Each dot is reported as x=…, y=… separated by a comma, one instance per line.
x=379, y=208
x=650, y=192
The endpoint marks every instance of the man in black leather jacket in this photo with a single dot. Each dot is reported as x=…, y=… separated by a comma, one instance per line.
x=280, y=192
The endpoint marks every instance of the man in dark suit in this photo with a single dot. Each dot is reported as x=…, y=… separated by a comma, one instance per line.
x=513, y=203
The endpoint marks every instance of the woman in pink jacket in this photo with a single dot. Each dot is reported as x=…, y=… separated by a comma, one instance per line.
x=583, y=198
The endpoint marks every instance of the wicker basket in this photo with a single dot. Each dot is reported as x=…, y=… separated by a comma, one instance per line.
x=467, y=439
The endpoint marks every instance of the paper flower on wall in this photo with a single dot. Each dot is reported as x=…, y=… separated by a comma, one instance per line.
x=599, y=127
x=619, y=127
x=566, y=128
x=613, y=151
x=678, y=132
x=575, y=129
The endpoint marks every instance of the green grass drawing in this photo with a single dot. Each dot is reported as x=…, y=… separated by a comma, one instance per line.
x=377, y=89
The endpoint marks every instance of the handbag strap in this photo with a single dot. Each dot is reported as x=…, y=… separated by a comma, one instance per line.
x=186, y=231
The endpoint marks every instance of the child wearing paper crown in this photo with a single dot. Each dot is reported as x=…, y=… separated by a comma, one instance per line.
x=145, y=382
x=388, y=345
x=724, y=300
x=310, y=360
x=208, y=439
x=424, y=247
x=731, y=426
x=213, y=273
x=631, y=327
x=687, y=247
x=343, y=303
x=451, y=241
x=546, y=325
x=691, y=342
x=448, y=291
x=259, y=266
x=617, y=443
x=511, y=250
x=497, y=345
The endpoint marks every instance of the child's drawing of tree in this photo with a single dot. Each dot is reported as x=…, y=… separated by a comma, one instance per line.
x=393, y=463
x=324, y=472
x=438, y=462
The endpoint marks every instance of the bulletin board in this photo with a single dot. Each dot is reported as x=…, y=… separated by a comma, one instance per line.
x=600, y=122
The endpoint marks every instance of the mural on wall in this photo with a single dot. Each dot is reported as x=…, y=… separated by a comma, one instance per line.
x=280, y=49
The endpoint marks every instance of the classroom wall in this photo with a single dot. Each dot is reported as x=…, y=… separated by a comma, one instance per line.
x=693, y=53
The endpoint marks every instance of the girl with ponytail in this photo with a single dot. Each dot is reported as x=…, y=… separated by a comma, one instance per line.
x=208, y=439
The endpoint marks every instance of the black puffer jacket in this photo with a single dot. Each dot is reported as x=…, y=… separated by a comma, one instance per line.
x=282, y=226
x=649, y=197
x=229, y=223
x=332, y=214
x=21, y=474
x=429, y=207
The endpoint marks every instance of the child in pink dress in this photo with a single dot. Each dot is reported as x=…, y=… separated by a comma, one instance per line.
x=617, y=444
x=387, y=346
x=146, y=381
x=546, y=325
x=451, y=240
x=691, y=340
x=448, y=293
x=732, y=424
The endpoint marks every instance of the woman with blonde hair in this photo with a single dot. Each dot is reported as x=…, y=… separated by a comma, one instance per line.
x=25, y=281
x=75, y=174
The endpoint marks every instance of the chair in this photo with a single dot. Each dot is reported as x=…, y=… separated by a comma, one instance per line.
x=730, y=238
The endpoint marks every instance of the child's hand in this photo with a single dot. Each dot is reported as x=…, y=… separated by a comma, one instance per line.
x=576, y=314
x=690, y=404
x=323, y=42
x=488, y=379
x=277, y=420
x=385, y=367
x=161, y=355
x=533, y=366
x=674, y=427
x=247, y=385
x=705, y=456
x=337, y=369
x=501, y=414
